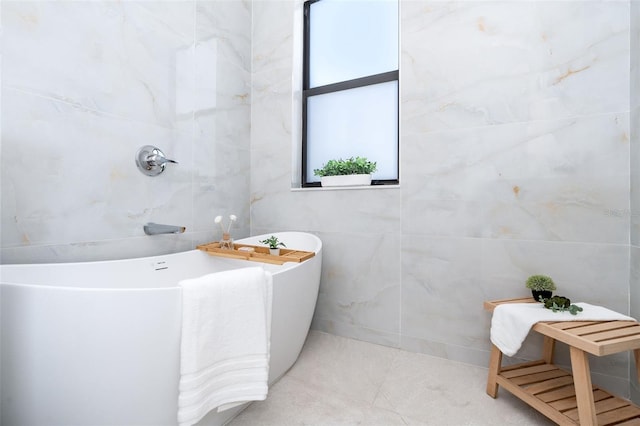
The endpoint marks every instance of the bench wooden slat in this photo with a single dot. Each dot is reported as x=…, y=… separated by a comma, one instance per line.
x=527, y=370
x=604, y=336
x=557, y=394
x=567, y=325
x=601, y=326
x=616, y=416
x=549, y=385
x=632, y=422
x=571, y=402
x=539, y=377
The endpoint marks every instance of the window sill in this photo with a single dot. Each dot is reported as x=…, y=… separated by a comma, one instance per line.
x=345, y=188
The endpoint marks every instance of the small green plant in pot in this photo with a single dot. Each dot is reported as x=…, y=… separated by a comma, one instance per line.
x=274, y=245
x=359, y=170
x=541, y=287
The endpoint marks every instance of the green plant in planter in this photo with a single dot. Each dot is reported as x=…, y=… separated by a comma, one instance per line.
x=540, y=283
x=560, y=304
x=350, y=166
x=541, y=287
x=273, y=242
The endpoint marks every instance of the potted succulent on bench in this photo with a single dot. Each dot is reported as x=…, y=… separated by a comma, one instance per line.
x=541, y=287
x=273, y=244
x=350, y=172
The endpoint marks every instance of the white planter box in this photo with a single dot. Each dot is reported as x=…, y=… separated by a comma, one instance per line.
x=346, y=180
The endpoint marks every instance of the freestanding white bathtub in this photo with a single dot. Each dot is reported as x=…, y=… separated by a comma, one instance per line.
x=98, y=343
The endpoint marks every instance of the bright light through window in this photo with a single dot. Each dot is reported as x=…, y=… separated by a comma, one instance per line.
x=350, y=93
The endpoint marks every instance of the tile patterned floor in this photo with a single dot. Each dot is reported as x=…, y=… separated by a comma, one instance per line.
x=338, y=381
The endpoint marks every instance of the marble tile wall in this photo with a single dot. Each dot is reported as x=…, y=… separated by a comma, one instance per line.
x=634, y=279
x=635, y=124
x=515, y=124
x=84, y=86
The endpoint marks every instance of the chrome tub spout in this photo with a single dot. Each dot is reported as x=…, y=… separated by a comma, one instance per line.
x=156, y=228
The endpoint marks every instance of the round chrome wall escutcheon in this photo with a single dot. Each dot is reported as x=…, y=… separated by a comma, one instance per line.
x=151, y=161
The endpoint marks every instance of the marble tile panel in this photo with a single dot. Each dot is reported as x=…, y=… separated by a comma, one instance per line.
x=115, y=249
x=271, y=116
x=49, y=145
x=592, y=273
x=357, y=331
x=467, y=355
x=446, y=280
x=118, y=74
x=541, y=180
x=221, y=179
x=272, y=34
x=114, y=57
x=635, y=56
x=633, y=214
x=511, y=61
x=360, y=282
x=228, y=21
x=376, y=211
x=443, y=291
x=220, y=81
x=634, y=282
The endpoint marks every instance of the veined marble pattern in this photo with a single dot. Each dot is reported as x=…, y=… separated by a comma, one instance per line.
x=120, y=75
x=633, y=213
x=446, y=280
x=634, y=210
x=515, y=138
x=99, y=54
x=368, y=301
x=508, y=61
x=634, y=276
x=514, y=118
x=541, y=180
x=635, y=57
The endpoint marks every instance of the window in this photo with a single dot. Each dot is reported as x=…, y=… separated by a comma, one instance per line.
x=350, y=85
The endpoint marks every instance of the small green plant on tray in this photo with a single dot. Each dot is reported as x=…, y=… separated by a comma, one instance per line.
x=273, y=242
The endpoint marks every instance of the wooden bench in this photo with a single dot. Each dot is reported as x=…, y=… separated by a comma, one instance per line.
x=554, y=392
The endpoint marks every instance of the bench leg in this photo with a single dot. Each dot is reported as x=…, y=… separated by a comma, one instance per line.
x=495, y=362
x=582, y=383
x=548, y=348
x=636, y=357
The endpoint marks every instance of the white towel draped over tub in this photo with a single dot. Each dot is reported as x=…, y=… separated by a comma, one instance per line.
x=226, y=332
x=511, y=322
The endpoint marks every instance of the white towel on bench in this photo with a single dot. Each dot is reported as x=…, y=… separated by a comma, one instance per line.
x=511, y=322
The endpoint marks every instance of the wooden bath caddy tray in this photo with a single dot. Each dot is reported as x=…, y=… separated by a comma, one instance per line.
x=260, y=253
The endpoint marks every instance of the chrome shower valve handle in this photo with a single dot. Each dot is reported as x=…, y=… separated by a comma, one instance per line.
x=151, y=160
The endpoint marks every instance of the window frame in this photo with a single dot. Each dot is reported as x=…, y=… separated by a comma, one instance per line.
x=308, y=92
